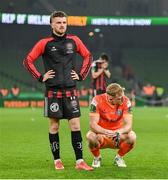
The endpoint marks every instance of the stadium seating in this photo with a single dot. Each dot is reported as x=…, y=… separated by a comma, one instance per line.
x=150, y=65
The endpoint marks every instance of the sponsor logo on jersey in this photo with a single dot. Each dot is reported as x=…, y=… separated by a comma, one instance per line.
x=53, y=49
x=69, y=48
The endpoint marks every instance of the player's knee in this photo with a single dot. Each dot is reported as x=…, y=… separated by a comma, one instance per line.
x=132, y=137
x=74, y=124
x=75, y=127
x=53, y=128
x=91, y=137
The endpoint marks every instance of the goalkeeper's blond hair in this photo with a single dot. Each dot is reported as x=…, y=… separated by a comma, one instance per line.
x=114, y=90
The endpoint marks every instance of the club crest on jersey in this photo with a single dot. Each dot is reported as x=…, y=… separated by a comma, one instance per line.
x=69, y=48
x=119, y=112
x=54, y=107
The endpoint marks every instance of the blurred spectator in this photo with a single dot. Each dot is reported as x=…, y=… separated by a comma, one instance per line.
x=159, y=92
x=128, y=73
x=132, y=98
x=15, y=91
x=84, y=96
x=99, y=74
x=4, y=92
x=149, y=91
x=90, y=91
x=83, y=91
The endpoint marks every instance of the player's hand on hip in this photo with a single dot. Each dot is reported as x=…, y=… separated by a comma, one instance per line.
x=74, y=75
x=48, y=75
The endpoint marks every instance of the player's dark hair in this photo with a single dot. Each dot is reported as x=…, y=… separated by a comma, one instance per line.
x=57, y=14
x=104, y=56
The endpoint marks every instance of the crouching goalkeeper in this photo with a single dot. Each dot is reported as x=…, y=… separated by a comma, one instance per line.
x=111, y=125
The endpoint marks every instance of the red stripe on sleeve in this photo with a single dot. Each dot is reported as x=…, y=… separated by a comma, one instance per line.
x=33, y=55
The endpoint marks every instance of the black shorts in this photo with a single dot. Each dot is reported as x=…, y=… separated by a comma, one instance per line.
x=61, y=106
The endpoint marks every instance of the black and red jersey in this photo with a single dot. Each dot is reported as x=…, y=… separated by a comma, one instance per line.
x=59, y=55
x=99, y=83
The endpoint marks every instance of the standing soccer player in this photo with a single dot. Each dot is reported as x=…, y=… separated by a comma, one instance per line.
x=100, y=72
x=111, y=125
x=58, y=52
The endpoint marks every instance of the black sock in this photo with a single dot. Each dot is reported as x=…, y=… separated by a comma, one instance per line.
x=54, y=143
x=76, y=139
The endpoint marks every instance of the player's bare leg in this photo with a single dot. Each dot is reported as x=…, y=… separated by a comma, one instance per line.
x=54, y=142
x=127, y=143
x=94, y=145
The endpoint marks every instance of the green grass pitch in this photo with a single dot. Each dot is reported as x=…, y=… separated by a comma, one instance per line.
x=25, y=151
